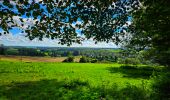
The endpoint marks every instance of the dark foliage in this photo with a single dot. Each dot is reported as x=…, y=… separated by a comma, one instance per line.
x=136, y=71
x=150, y=30
x=76, y=90
x=84, y=59
x=94, y=61
x=69, y=59
x=2, y=49
x=161, y=87
x=53, y=19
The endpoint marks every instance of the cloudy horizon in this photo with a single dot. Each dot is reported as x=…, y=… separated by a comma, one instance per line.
x=19, y=39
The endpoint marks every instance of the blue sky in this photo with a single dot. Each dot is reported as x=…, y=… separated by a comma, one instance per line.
x=16, y=38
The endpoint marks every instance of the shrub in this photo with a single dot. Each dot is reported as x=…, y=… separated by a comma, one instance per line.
x=94, y=61
x=84, y=59
x=161, y=87
x=133, y=61
x=69, y=59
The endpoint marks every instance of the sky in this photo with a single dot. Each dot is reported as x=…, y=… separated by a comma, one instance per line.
x=16, y=38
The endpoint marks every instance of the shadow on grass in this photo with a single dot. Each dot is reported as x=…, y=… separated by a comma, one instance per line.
x=43, y=89
x=73, y=90
x=161, y=87
x=135, y=71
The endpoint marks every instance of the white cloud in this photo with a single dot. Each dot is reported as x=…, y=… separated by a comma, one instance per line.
x=21, y=40
x=127, y=23
x=26, y=21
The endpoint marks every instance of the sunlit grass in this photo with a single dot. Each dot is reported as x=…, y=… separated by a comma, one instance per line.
x=95, y=74
x=71, y=77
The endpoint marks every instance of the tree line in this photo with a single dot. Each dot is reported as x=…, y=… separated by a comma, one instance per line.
x=92, y=54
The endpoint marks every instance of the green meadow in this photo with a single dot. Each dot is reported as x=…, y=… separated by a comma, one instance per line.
x=73, y=81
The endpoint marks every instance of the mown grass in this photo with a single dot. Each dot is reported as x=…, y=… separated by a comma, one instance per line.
x=65, y=81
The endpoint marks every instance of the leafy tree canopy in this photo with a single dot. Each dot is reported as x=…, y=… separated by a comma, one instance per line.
x=100, y=20
x=150, y=30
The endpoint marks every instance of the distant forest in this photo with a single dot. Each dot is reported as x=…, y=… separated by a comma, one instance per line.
x=101, y=54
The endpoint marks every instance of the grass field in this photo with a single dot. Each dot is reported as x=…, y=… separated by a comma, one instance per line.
x=75, y=81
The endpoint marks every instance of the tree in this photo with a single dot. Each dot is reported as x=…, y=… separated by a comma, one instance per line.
x=11, y=51
x=83, y=59
x=2, y=49
x=150, y=30
x=100, y=20
x=69, y=59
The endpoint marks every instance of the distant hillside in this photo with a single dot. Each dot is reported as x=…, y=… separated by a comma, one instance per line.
x=100, y=54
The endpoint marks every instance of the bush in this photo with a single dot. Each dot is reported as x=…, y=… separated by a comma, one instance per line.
x=84, y=59
x=94, y=61
x=161, y=87
x=133, y=61
x=69, y=59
